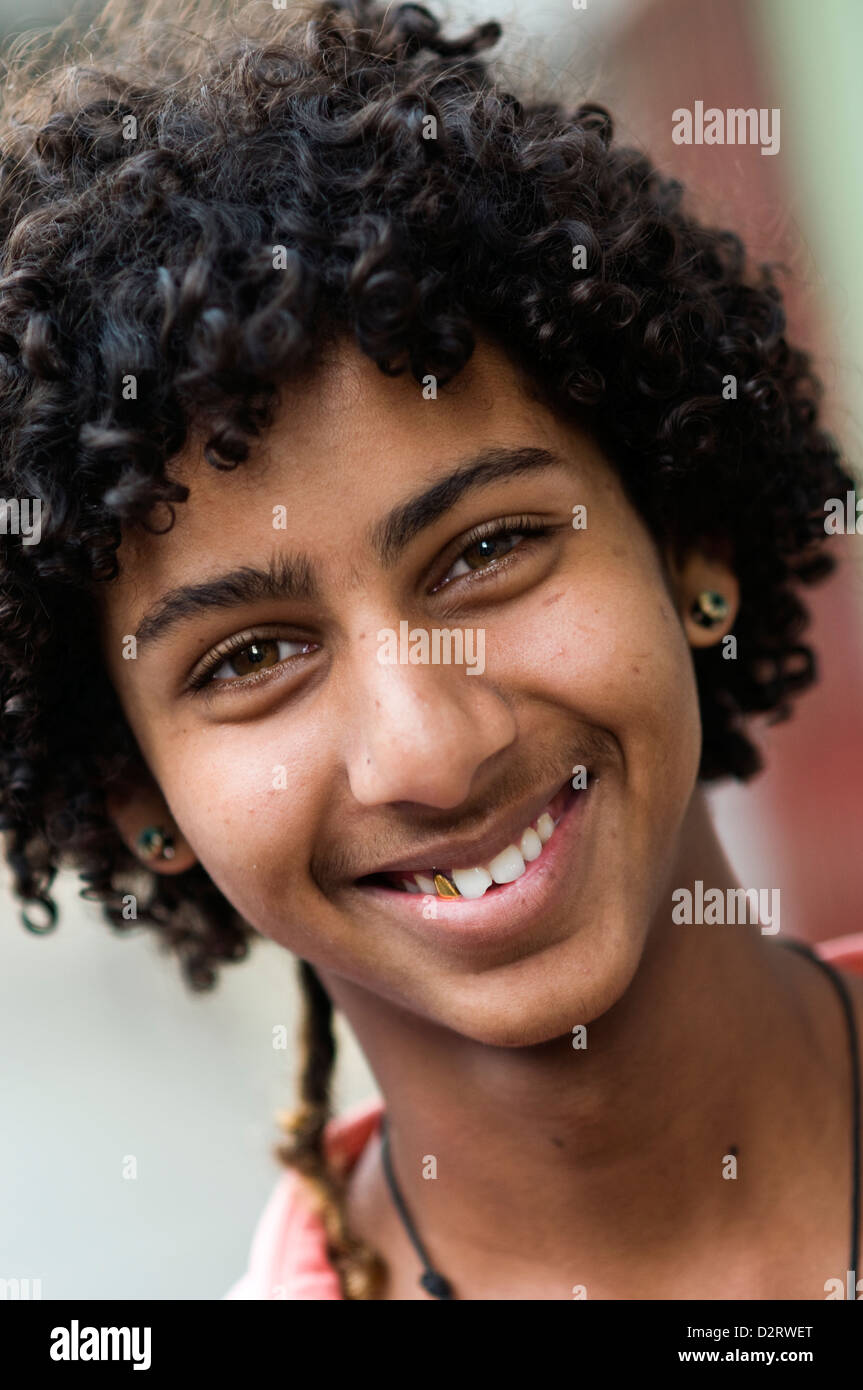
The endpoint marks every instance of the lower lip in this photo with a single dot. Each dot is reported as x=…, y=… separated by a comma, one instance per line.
x=504, y=912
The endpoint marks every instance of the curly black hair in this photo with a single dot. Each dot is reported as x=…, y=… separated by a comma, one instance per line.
x=144, y=191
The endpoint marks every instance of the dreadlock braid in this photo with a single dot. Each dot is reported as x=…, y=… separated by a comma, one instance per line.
x=361, y=1269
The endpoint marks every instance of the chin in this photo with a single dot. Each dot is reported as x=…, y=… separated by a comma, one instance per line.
x=531, y=1003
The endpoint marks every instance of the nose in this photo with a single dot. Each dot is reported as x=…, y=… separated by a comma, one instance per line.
x=419, y=733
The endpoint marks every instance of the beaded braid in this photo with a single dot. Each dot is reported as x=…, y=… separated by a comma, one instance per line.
x=361, y=1269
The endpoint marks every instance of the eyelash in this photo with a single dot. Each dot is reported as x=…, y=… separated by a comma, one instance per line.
x=204, y=676
x=508, y=526
x=511, y=526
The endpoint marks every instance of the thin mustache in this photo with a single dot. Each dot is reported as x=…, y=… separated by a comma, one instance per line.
x=412, y=830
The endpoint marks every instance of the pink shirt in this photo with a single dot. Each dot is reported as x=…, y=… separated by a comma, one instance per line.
x=288, y=1257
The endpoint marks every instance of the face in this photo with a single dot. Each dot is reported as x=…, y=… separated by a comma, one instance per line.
x=316, y=749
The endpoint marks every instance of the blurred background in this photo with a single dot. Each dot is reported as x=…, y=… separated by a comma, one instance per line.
x=106, y=1054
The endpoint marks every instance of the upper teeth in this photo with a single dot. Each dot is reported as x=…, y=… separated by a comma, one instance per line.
x=505, y=867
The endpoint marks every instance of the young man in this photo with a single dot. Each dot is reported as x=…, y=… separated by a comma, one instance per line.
x=406, y=569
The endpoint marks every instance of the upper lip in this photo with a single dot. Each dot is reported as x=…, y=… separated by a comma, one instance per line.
x=459, y=852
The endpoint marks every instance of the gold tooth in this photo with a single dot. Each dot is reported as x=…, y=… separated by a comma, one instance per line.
x=445, y=886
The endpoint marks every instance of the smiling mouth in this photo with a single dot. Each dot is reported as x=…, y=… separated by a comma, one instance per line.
x=475, y=880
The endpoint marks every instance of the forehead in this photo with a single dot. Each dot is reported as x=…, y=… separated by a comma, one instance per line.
x=344, y=445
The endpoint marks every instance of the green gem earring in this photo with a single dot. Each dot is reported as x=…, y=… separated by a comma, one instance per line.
x=709, y=608
x=155, y=843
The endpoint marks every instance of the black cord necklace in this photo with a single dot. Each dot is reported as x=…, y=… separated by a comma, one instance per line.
x=435, y=1284
x=848, y=1008
x=430, y=1280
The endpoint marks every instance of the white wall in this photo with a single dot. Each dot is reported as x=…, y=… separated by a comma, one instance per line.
x=106, y=1053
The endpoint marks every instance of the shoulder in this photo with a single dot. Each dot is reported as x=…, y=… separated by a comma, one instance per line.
x=288, y=1255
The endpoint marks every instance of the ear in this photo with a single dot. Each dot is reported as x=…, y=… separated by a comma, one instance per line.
x=695, y=578
x=139, y=808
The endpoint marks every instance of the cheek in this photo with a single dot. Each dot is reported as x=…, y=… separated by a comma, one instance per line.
x=238, y=799
x=610, y=650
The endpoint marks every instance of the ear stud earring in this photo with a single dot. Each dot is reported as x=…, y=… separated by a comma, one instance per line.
x=154, y=843
x=709, y=608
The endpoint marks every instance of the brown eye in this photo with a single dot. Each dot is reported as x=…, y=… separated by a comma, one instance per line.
x=485, y=551
x=255, y=657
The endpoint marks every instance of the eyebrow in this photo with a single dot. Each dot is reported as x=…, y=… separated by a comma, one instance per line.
x=285, y=577
x=391, y=535
x=293, y=577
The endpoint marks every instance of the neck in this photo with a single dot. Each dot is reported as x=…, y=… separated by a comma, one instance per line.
x=533, y=1143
